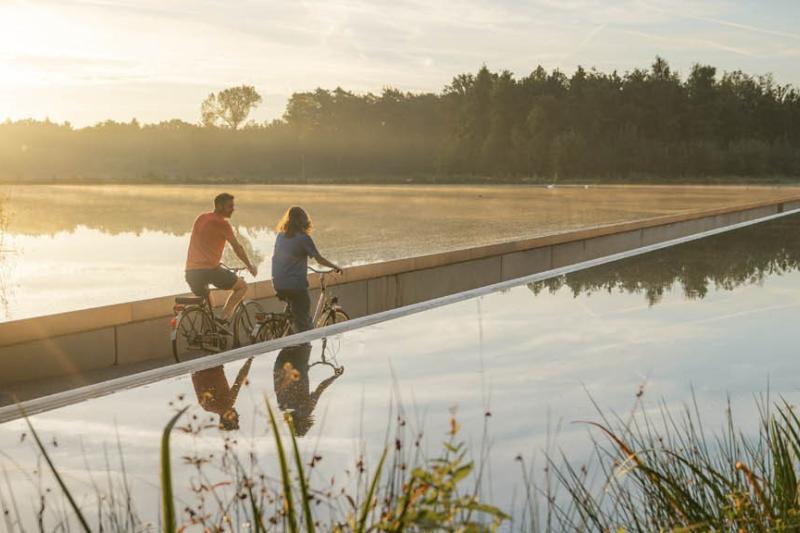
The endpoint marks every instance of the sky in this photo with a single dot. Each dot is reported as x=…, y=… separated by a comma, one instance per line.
x=85, y=61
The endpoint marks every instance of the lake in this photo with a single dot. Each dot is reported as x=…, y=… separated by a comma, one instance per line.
x=72, y=247
x=714, y=320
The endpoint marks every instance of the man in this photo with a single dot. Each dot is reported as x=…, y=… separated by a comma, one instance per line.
x=210, y=232
x=216, y=396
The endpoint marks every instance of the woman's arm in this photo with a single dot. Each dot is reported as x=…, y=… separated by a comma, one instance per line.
x=311, y=251
x=324, y=262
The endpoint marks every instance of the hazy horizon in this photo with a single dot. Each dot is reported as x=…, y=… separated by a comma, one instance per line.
x=93, y=60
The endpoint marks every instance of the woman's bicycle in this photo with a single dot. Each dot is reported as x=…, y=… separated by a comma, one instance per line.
x=196, y=332
x=275, y=325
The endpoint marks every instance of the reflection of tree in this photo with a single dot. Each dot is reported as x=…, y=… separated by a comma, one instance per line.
x=229, y=257
x=3, y=255
x=114, y=210
x=725, y=261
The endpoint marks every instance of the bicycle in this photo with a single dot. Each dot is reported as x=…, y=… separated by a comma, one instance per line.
x=195, y=330
x=275, y=325
x=331, y=361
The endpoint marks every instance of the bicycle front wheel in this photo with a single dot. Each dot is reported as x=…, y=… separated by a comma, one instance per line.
x=245, y=322
x=193, y=326
x=333, y=316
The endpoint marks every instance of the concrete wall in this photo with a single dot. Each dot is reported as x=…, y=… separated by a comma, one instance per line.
x=135, y=332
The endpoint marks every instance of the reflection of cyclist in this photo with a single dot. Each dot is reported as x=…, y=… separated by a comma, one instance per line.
x=209, y=234
x=216, y=396
x=290, y=375
x=293, y=247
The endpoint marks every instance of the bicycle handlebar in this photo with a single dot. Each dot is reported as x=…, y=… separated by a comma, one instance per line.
x=316, y=271
x=312, y=269
x=236, y=269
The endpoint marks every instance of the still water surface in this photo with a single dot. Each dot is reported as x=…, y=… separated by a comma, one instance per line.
x=716, y=317
x=66, y=248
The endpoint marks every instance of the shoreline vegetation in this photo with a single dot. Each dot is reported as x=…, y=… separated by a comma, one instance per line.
x=465, y=180
x=649, y=470
x=648, y=125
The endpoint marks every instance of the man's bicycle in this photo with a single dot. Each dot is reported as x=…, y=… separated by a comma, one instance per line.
x=275, y=325
x=195, y=330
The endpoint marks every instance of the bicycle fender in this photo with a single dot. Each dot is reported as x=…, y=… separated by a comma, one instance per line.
x=173, y=334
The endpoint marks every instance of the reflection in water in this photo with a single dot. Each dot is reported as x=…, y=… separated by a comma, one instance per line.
x=216, y=396
x=536, y=364
x=88, y=246
x=4, y=253
x=229, y=256
x=292, y=386
x=727, y=261
x=116, y=209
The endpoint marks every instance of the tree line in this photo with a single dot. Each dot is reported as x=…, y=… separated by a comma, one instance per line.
x=646, y=123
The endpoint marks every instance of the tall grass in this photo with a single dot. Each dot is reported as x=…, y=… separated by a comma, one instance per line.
x=392, y=495
x=667, y=473
x=651, y=472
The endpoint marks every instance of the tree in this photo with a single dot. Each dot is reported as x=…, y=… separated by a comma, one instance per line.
x=229, y=107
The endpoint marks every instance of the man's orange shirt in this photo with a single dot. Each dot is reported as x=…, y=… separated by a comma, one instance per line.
x=209, y=233
x=212, y=389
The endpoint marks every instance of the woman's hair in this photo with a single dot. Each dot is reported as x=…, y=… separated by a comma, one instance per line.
x=294, y=220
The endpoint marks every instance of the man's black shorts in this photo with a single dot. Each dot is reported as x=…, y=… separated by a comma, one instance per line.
x=199, y=279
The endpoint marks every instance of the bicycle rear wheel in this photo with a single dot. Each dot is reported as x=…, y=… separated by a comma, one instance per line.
x=192, y=327
x=245, y=322
x=272, y=328
x=333, y=316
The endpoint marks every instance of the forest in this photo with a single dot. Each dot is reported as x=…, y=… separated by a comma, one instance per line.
x=645, y=124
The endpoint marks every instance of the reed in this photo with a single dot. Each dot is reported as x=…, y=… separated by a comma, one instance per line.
x=649, y=472
x=667, y=473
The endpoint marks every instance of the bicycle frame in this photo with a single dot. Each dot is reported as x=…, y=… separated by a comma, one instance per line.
x=218, y=339
x=324, y=304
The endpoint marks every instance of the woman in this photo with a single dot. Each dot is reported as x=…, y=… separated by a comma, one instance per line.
x=292, y=386
x=293, y=247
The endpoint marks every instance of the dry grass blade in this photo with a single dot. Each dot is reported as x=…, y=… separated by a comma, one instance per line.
x=304, y=493
x=373, y=486
x=167, y=499
x=291, y=515
x=56, y=475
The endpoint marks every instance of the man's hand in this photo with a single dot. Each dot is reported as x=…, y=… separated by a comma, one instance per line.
x=253, y=270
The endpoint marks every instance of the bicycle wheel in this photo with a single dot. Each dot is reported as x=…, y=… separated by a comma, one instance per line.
x=272, y=328
x=244, y=323
x=187, y=340
x=333, y=316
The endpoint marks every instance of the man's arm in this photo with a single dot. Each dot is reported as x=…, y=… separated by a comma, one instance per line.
x=238, y=249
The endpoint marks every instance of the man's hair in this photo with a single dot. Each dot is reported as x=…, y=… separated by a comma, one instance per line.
x=222, y=199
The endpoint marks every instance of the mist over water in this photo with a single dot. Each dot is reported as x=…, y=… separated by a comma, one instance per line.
x=73, y=247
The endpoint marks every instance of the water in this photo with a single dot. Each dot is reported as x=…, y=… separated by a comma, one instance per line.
x=75, y=247
x=716, y=318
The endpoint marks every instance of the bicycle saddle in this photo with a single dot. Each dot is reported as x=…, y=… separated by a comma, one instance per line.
x=188, y=300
